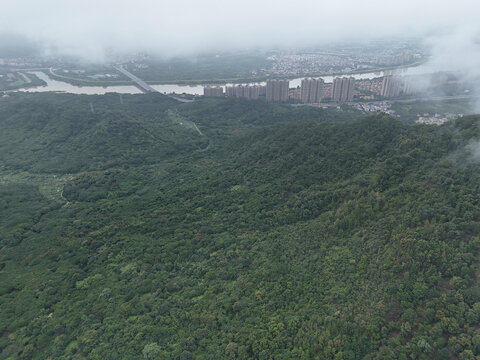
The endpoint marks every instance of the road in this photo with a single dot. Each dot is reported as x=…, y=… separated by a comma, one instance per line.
x=142, y=85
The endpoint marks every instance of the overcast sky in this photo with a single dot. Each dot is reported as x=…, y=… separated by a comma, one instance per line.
x=88, y=27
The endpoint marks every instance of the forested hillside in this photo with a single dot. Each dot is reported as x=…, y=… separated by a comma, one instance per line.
x=229, y=229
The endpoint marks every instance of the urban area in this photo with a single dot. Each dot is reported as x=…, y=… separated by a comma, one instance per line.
x=316, y=90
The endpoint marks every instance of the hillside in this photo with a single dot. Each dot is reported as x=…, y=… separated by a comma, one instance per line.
x=274, y=233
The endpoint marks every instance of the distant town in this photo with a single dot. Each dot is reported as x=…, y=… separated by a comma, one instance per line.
x=341, y=90
x=331, y=63
x=323, y=77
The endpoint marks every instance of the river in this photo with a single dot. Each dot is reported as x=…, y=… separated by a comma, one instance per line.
x=61, y=86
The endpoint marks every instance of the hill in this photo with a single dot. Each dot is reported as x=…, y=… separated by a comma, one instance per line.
x=270, y=233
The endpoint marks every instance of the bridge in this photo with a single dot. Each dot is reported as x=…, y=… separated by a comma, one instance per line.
x=142, y=85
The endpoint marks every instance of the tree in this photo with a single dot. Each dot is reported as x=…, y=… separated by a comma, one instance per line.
x=151, y=351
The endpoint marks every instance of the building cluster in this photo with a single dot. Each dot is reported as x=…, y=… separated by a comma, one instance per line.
x=277, y=90
x=343, y=89
x=291, y=63
x=393, y=86
x=311, y=91
x=368, y=89
x=213, y=91
x=288, y=65
x=436, y=119
x=375, y=107
x=103, y=76
x=250, y=92
x=395, y=60
x=314, y=91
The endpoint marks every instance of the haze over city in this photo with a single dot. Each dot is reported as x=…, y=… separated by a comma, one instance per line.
x=90, y=28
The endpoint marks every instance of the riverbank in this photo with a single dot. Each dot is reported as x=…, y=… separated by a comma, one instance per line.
x=55, y=84
x=223, y=81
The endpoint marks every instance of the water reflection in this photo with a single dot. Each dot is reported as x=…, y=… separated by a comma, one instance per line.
x=60, y=86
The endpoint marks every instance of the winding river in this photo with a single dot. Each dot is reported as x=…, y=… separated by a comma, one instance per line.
x=61, y=86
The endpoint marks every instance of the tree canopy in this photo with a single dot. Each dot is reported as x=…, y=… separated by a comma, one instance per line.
x=276, y=233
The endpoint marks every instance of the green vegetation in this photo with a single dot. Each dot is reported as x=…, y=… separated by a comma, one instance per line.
x=410, y=111
x=203, y=68
x=208, y=68
x=280, y=233
x=89, y=75
x=12, y=80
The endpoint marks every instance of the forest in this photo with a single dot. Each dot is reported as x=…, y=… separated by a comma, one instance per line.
x=275, y=232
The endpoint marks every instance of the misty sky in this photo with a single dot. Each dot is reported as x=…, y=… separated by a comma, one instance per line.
x=88, y=27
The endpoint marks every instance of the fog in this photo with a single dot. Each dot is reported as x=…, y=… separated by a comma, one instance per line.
x=91, y=28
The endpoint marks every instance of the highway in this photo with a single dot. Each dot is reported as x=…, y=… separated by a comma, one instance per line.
x=142, y=85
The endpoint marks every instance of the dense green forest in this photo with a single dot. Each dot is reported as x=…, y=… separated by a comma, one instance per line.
x=233, y=229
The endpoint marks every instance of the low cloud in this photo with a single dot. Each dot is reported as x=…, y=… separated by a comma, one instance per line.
x=474, y=150
x=91, y=28
x=458, y=50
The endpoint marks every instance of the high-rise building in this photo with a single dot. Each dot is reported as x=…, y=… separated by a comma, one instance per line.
x=239, y=91
x=392, y=86
x=351, y=89
x=410, y=86
x=230, y=91
x=250, y=92
x=269, y=90
x=213, y=91
x=277, y=90
x=337, y=89
x=343, y=89
x=311, y=91
x=262, y=90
